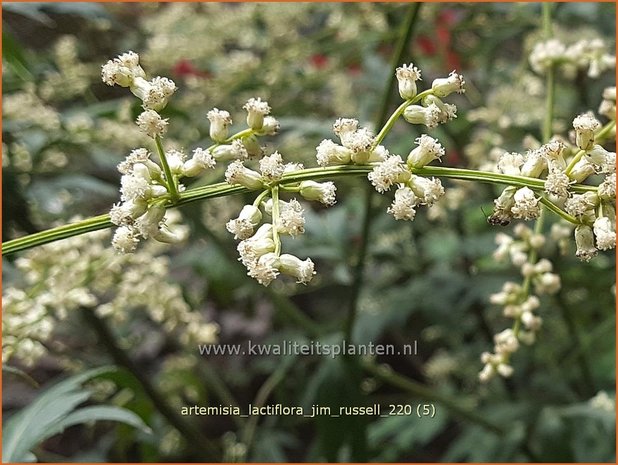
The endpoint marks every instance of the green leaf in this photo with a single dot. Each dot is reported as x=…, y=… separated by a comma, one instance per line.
x=101, y=412
x=54, y=410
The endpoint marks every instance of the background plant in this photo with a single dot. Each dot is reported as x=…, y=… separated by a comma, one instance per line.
x=65, y=132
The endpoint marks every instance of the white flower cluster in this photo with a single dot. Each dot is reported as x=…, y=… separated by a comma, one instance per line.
x=260, y=246
x=141, y=213
x=517, y=301
x=560, y=166
x=357, y=145
x=586, y=54
x=82, y=271
x=125, y=71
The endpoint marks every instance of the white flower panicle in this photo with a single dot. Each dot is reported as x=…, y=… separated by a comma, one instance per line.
x=407, y=75
x=585, y=54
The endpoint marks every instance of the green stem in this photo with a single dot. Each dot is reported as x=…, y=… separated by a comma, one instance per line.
x=387, y=375
x=558, y=211
x=276, y=238
x=405, y=34
x=169, y=178
x=260, y=400
x=223, y=189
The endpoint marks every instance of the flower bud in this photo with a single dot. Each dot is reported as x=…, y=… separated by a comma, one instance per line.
x=428, y=149
x=270, y=127
x=242, y=227
x=323, y=192
x=256, y=111
x=407, y=75
x=220, y=121
x=237, y=173
x=446, y=86
x=584, y=239
x=585, y=125
x=302, y=270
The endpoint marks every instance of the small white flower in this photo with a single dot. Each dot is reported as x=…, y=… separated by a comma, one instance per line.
x=329, y=153
x=151, y=123
x=607, y=189
x=264, y=269
x=270, y=127
x=504, y=370
x=234, y=151
x=389, y=172
x=510, y=163
x=580, y=204
x=428, y=149
x=430, y=116
x=257, y=245
x=243, y=226
x=125, y=239
x=220, y=121
x=122, y=70
x=291, y=219
x=148, y=223
x=557, y=183
x=403, y=206
x=407, y=75
x=198, y=163
x=446, y=86
x=323, y=192
x=237, y=173
x=302, y=270
x=343, y=127
x=584, y=239
x=552, y=151
x=545, y=54
x=506, y=342
x=126, y=212
x=605, y=233
x=256, y=111
x=134, y=187
x=534, y=164
x=428, y=191
x=599, y=156
x=272, y=167
x=582, y=170
x=155, y=93
x=360, y=142
x=526, y=205
x=585, y=125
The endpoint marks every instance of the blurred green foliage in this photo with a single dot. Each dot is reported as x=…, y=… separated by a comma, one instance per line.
x=64, y=132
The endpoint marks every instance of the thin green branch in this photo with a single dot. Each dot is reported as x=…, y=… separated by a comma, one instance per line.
x=420, y=391
x=223, y=189
x=558, y=211
x=405, y=33
x=169, y=178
